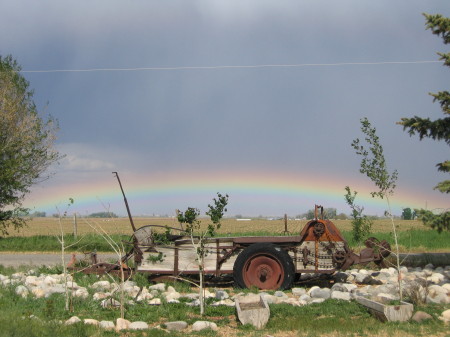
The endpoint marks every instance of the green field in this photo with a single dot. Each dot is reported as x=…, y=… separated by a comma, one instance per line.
x=331, y=318
x=40, y=234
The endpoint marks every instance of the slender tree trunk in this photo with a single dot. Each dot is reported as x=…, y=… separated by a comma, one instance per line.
x=202, y=290
x=66, y=289
x=400, y=288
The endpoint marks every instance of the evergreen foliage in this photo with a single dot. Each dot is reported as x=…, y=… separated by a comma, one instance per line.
x=438, y=129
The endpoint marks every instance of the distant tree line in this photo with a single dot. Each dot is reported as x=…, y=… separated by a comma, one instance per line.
x=103, y=215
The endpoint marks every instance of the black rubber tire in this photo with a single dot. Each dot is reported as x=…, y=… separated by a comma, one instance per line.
x=264, y=250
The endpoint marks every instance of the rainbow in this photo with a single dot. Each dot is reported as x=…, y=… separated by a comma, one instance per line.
x=251, y=193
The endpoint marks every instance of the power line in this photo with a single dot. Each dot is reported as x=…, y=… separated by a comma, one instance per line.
x=228, y=67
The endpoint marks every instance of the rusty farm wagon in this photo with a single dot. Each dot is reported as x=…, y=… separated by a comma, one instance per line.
x=265, y=262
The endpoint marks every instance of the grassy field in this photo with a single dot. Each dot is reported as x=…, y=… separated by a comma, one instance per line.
x=331, y=318
x=40, y=234
x=50, y=226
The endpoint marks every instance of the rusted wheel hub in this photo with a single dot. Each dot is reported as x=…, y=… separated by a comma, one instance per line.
x=319, y=229
x=339, y=257
x=263, y=272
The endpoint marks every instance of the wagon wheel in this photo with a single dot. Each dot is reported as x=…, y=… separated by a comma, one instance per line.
x=264, y=266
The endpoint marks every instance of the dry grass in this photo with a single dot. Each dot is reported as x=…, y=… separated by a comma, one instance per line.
x=50, y=226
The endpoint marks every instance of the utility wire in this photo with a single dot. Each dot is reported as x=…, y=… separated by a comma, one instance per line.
x=228, y=67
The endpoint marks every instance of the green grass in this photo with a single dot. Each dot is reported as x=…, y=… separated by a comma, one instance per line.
x=346, y=318
x=413, y=239
x=44, y=243
x=332, y=318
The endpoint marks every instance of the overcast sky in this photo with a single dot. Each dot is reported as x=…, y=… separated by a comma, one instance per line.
x=190, y=122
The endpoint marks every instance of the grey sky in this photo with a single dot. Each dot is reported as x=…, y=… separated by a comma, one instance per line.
x=299, y=119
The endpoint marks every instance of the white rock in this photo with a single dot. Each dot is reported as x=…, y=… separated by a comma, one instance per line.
x=172, y=296
x=122, y=324
x=227, y=302
x=221, y=295
x=438, y=299
x=209, y=294
x=155, y=301
x=435, y=290
x=194, y=303
x=90, y=321
x=138, y=326
x=22, y=291
x=144, y=297
x=50, y=280
x=320, y=293
x=176, y=326
x=339, y=295
x=107, y=325
x=132, y=291
x=202, y=325
x=18, y=276
x=191, y=296
x=56, y=289
x=101, y=285
x=298, y=291
x=110, y=303
x=306, y=298
x=427, y=272
x=350, y=278
x=392, y=271
x=292, y=301
x=159, y=287
x=317, y=300
x=404, y=270
x=81, y=292
x=31, y=281
x=436, y=278
x=311, y=290
x=445, y=316
x=72, y=320
x=429, y=266
x=6, y=282
x=38, y=292
x=72, y=285
x=363, y=278
x=129, y=284
x=100, y=296
x=446, y=286
x=171, y=289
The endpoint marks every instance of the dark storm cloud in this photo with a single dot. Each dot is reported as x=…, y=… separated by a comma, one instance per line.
x=302, y=117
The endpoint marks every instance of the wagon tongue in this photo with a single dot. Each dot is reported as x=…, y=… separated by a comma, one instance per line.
x=376, y=251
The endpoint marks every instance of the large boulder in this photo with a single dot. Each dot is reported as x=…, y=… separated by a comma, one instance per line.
x=202, y=325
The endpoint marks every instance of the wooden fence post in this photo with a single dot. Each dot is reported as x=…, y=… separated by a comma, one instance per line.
x=75, y=226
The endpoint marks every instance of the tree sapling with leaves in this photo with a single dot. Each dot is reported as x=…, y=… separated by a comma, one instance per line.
x=200, y=237
x=373, y=165
x=361, y=224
